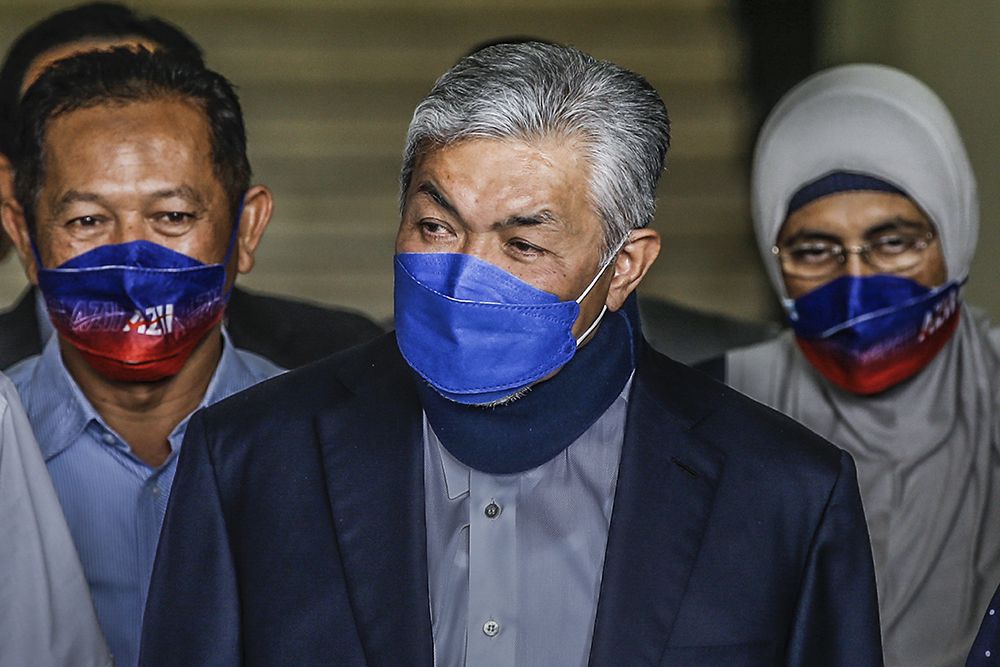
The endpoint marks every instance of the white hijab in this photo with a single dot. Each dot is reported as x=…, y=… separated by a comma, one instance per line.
x=927, y=450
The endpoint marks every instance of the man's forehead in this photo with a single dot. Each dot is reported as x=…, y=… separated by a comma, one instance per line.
x=149, y=147
x=115, y=122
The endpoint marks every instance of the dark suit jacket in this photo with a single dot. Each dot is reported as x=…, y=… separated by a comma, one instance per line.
x=295, y=533
x=290, y=333
x=986, y=648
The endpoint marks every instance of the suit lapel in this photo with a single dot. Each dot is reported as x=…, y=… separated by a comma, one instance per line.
x=373, y=456
x=666, y=486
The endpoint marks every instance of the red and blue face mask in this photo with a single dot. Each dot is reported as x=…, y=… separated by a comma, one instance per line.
x=866, y=334
x=135, y=311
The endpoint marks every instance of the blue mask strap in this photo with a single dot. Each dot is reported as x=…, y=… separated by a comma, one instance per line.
x=34, y=251
x=232, y=244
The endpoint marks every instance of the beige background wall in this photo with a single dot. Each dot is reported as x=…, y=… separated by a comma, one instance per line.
x=328, y=87
x=953, y=47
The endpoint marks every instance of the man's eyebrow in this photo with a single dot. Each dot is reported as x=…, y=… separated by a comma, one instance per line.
x=181, y=191
x=73, y=197
x=543, y=217
x=429, y=189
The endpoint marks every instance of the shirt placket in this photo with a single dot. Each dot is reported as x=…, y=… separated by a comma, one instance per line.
x=492, y=613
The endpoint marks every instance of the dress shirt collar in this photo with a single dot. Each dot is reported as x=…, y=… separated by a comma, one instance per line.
x=456, y=473
x=53, y=391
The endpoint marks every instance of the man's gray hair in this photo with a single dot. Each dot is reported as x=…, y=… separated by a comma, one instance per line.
x=531, y=91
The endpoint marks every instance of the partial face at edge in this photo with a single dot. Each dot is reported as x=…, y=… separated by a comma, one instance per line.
x=31, y=74
x=854, y=218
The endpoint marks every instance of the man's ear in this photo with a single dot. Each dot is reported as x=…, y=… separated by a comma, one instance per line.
x=6, y=192
x=16, y=226
x=257, y=206
x=631, y=265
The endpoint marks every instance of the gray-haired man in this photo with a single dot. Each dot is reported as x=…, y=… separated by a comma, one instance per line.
x=514, y=477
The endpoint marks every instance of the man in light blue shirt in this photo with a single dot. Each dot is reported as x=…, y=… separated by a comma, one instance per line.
x=139, y=214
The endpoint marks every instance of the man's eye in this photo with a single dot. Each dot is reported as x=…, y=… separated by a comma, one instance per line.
x=84, y=221
x=432, y=228
x=524, y=248
x=176, y=216
x=811, y=253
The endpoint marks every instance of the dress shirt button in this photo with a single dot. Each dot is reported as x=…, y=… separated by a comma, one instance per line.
x=108, y=439
x=156, y=491
x=491, y=628
x=492, y=511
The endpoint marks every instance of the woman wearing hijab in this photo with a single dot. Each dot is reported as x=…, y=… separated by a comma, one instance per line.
x=866, y=215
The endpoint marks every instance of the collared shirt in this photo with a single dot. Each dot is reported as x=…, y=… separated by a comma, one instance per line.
x=515, y=561
x=114, y=502
x=46, y=616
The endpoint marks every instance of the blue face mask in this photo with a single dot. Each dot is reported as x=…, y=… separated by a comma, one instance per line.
x=475, y=332
x=866, y=334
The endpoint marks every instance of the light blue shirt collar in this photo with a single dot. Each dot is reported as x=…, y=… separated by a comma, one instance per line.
x=62, y=395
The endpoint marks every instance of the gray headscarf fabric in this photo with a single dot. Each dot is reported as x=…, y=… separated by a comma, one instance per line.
x=928, y=449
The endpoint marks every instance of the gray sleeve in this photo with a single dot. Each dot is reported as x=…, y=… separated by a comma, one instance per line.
x=46, y=614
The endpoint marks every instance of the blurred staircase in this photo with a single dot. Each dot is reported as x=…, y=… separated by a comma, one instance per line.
x=328, y=88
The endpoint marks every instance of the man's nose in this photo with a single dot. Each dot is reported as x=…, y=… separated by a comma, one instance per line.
x=479, y=246
x=129, y=227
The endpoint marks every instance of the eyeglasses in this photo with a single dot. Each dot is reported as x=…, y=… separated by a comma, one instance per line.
x=890, y=252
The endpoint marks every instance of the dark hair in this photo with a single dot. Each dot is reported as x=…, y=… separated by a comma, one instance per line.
x=93, y=20
x=121, y=76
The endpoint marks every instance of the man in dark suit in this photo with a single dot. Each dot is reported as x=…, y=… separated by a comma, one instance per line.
x=288, y=332
x=514, y=477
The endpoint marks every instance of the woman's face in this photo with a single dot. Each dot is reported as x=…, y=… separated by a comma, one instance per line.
x=853, y=220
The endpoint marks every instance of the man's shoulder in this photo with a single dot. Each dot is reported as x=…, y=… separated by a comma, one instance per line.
x=742, y=429
x=300, y=394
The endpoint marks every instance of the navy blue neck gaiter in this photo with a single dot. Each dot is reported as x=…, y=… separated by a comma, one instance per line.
x=533, y=429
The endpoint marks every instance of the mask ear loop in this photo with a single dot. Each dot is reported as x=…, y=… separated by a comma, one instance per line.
x=232, y=245
x=604, y=308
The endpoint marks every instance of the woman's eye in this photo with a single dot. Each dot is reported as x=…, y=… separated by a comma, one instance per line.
x=892, y=244
x=811, y=253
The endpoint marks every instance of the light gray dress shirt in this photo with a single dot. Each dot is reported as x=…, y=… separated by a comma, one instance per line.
x=515, y=561
x=46, y=616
